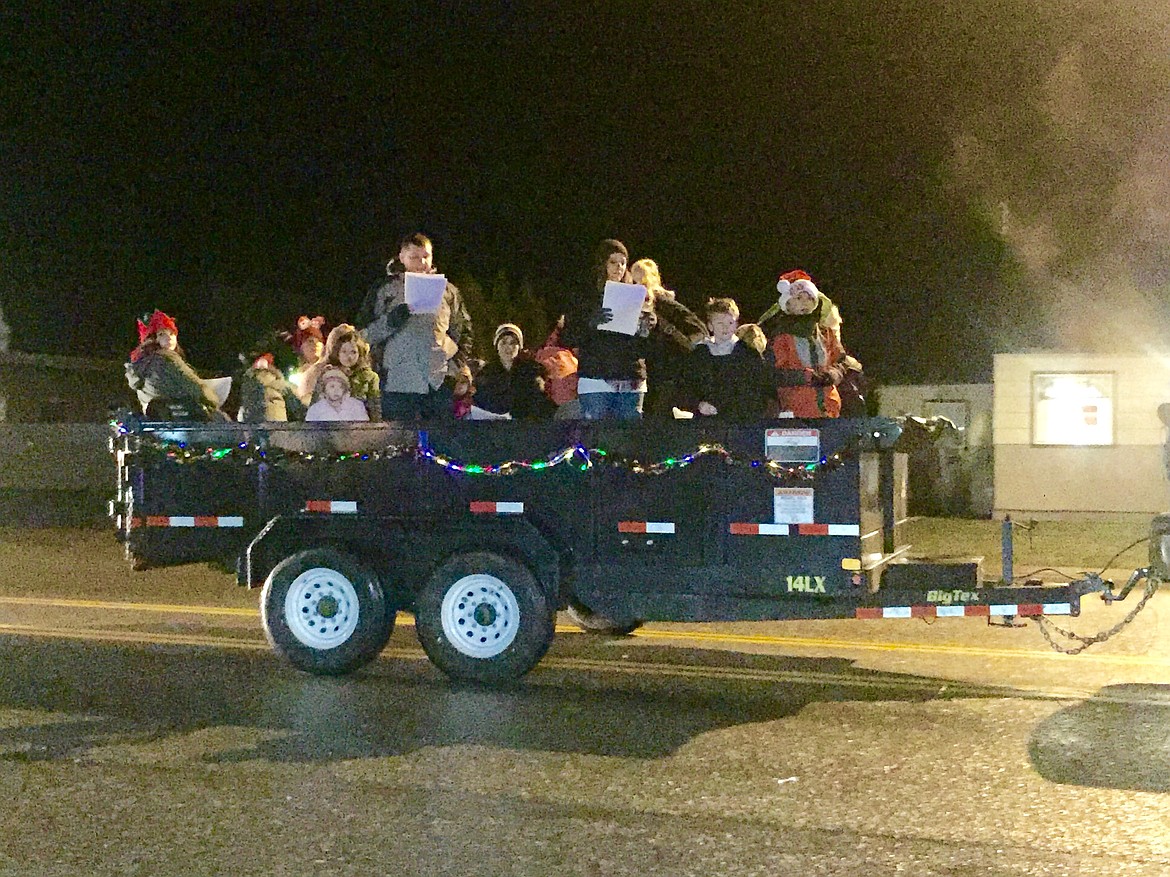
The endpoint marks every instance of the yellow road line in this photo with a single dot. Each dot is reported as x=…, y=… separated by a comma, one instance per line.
x=169, y=608
x=165, y=639
x=845, y=679
x=931, y=648
x=406, y=620
x=130, y=636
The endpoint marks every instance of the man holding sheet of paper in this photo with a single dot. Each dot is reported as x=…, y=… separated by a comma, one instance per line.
x=419, y=333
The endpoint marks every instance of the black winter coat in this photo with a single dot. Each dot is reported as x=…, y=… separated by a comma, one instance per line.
x=515, y=391
x=739, y=384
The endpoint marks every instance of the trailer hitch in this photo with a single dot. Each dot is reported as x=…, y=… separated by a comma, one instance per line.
x=1134, y=577
x=1093, y=583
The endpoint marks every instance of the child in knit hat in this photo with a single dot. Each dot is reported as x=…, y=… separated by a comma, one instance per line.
x=167, y=387
x=513, y=382
x=335, y=403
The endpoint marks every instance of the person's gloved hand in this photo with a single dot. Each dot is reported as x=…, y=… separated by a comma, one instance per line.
x=600, y=317
x=398, y=316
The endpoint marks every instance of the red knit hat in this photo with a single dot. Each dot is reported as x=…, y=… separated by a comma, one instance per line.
x=157, y=322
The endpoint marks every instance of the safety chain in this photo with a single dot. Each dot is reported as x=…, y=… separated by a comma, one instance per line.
x=1152, y=584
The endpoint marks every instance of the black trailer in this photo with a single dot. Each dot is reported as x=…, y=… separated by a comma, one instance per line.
x=485, y=530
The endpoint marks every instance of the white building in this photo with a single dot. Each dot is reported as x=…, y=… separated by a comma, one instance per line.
x=1079, y=434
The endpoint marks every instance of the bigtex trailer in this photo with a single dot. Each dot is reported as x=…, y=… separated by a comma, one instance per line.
x=485, y=530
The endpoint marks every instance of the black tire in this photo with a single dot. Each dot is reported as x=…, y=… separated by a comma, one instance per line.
x=484, y=618
x=324, y=612
x=592, y=622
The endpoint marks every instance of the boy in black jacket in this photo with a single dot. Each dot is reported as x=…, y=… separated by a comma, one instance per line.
x=729, y=379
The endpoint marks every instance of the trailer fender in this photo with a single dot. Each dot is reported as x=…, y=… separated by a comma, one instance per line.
x=403, y=551
x=513, y=537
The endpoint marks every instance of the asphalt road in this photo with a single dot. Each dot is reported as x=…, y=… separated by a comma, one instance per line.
x=146, y=729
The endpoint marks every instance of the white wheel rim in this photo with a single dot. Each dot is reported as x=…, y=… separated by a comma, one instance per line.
x=480, y=615
x=321, y=608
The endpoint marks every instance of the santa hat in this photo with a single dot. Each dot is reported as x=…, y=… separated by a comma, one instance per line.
x=155, y=323
x=791, y=282
x=308, y=328
x=508, y=329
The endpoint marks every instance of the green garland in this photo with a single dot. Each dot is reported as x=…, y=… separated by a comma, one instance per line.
x=157, y=449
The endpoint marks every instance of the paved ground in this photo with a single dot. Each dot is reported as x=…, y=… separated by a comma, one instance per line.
x=146, y=729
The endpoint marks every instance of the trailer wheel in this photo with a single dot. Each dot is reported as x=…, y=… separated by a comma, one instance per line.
x=593, y=622
x=324, y=613
x=483, y=618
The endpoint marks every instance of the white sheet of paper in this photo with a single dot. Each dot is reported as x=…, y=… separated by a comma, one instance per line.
x=625, y=301
x=424, y=292
x=220, y=387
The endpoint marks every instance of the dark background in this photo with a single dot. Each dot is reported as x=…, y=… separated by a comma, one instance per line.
x=962, y=179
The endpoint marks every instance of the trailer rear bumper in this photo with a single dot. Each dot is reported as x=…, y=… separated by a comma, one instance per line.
x=990, y=603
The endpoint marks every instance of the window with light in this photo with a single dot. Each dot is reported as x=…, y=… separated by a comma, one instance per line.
x=1072, y=408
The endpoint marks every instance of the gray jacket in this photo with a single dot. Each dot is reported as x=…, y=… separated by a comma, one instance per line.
x=163, y=374
x=417, y=350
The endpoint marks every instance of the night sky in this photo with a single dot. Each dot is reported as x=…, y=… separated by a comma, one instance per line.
x=961, y=178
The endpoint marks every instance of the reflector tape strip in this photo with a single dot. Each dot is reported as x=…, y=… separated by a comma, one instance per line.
x=743, y=529
x=332, y=506
x=645, y=526
x=497, y=508
x=190, y=521
x=746, y=529
x=998, y=610
x=844, y=529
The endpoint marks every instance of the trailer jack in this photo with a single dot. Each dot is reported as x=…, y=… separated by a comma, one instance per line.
x=1005, y=621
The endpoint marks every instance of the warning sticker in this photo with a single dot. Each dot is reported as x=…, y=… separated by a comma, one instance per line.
x=793, y=505
x=792, y=445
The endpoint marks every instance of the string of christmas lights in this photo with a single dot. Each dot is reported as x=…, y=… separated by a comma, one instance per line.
x=510, y=467
x=577, y=455
x=774, y=468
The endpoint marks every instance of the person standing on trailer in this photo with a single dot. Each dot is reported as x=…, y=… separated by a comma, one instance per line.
x=853, y=386
x=728, y=378
x=806, y=356
x=675, y=330
x=416, y=351
x=512, y=383
x=611, y=366
x=335, y=403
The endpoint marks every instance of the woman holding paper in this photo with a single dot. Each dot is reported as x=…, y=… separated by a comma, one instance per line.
x=611, y=341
